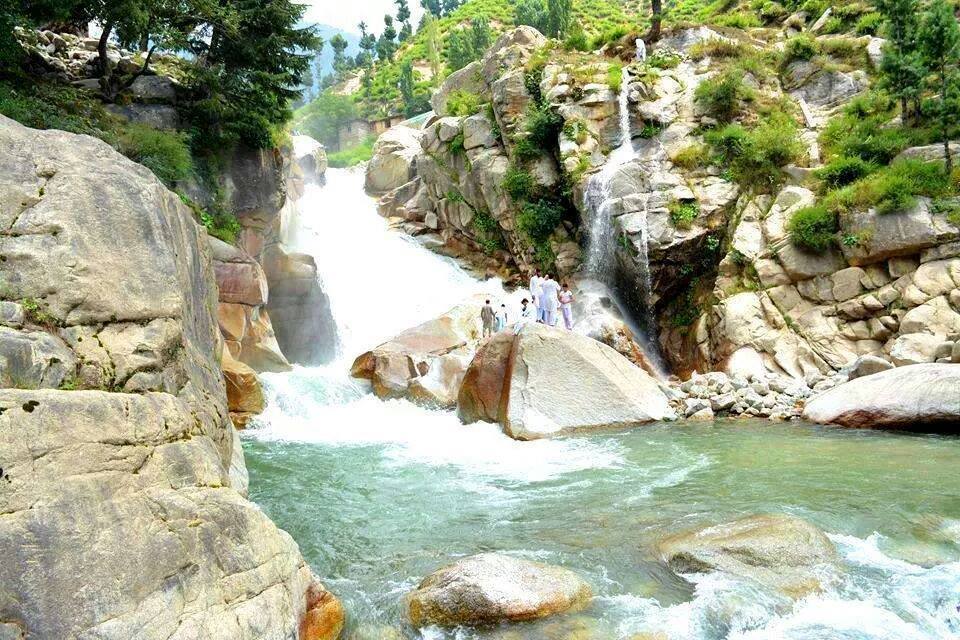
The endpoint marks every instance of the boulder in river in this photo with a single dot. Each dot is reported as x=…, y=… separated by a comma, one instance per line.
x=917, y=397
x=425, y=363
x=778, y=551
x=394, y=159
x=547, y=381
x=492, y=588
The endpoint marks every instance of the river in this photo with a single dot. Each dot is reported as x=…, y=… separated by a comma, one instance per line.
x=380, y=493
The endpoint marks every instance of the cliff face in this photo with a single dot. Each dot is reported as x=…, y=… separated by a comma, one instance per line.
x=699, y=238
x=123, y=481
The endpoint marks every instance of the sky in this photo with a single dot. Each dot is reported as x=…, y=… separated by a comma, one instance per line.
x=346, y=14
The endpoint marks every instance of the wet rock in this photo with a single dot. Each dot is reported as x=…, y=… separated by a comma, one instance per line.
x=556, y=381
x=920, y=397
x=493, y=588
x=777, y=551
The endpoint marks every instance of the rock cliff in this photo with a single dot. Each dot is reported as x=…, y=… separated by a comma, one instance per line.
x=123, y=480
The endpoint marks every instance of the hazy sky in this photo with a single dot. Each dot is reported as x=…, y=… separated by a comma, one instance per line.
x=346, y=14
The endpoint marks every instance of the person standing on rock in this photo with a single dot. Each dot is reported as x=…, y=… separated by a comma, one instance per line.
x=528, y=314
x=487, y=316
x=536, y=282
x=549, y=300
x=501, y=318
x=566, y=306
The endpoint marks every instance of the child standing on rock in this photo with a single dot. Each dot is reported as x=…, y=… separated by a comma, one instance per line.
x=566, y=306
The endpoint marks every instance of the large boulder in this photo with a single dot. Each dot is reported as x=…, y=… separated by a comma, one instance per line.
x=777, y=551
x=425, y=363
x=394, y=159
x=918, y=397
x=493, y=588
x=556, y=381
x=124, y=513
x=468, y=79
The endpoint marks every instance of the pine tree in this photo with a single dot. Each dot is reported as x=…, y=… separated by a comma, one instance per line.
x=901, y=66
x=433, y=42
x=559, y=14
x=480, y=36
x=339, y=45
x=387, y=45
x=368, y=46
x=449, y=6
x=939, y=40
x=532, y=13
x=433, y=7
x=403, y=17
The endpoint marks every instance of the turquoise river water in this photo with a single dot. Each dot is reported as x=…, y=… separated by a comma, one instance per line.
x=379, y=494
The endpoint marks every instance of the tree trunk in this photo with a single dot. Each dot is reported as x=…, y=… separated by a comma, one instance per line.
x=656, y=17
x=144, y=42
x=102, y=48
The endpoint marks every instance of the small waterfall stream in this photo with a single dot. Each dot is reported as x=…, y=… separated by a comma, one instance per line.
x=599, y=203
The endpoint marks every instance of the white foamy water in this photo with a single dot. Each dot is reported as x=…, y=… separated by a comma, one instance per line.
x=380, y=283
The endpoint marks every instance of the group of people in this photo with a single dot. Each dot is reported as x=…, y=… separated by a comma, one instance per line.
x=550, y=301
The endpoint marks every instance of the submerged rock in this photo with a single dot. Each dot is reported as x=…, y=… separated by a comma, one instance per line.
x=493, y=588
x=552, y=381
x=778, y=551
x=916, y=397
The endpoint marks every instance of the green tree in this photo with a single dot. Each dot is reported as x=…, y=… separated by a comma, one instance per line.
x=449, y=6
x=368, y=47
x=480, y=35
x=403, y=17
x=901, y=67
x=433, y=42
x=433, y=7
x=939, y=40
x=415, y=101
x=532, y=13
x=323, y=118
x=339, y=45
x=559, y=13
x=387, y=44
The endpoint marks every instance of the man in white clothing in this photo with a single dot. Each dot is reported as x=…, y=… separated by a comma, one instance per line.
x=550, y=300
x=527, y=315
x=536, y=282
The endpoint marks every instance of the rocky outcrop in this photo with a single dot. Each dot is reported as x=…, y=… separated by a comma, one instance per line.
x=457, y=195
x=426, y=363
x=492, y=588
x=922, y=397
x=555, y=382
x=776, y=551
x=133, y=488
x=242, y=314
x=394, y=161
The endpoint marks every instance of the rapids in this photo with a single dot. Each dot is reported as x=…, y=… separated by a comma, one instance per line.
x=380, y=493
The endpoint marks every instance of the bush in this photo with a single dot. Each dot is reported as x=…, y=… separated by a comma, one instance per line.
x=682, y=214
x=538, y=219
x=896, y=187
x=801, y=47
x=518, y=183
x=863, y=131
x=739, y=20
x=869, y=24
x=716, y=48
x=844, y=170
x=487, y=231
x=165, y=153
x=813, y=229
x=463, y=103
x=691, y=157
x=664, y=59
x=720, y=96
x=353, y=155
x=543, y=125
x=615, y=77
x=756, y=157
x=577, y=39
x=457, y=144
x=524, y=150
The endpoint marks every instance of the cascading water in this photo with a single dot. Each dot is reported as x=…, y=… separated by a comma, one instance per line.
x=379, y=494
x=600, y=202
